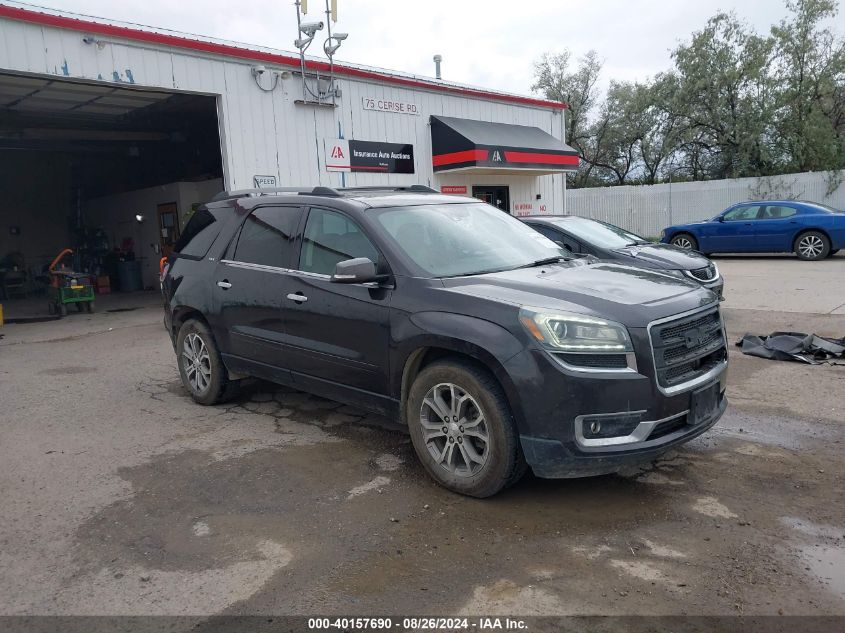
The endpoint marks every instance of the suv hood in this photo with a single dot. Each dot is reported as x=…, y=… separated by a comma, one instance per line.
x=632, y=296
x=663, y=256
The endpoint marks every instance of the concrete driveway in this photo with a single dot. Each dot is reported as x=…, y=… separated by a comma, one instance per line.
x=121, y=496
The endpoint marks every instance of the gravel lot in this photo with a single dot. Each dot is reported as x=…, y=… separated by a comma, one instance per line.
x=120, y=496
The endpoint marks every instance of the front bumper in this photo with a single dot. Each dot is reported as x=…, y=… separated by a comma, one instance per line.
x=551, y=459
x=557, y=404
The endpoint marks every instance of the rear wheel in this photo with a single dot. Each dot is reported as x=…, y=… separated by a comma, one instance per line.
x=462, y=429
x=200, y=365
x=686, y=241
x=812, y=246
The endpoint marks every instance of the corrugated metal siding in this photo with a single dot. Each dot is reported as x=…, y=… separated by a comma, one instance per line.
x=267, y=133
x=648, y=209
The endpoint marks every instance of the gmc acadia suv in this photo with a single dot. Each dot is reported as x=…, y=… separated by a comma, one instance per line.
x=495, y=348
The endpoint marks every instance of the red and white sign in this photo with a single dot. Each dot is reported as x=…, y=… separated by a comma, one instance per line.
x=455, y=190
x=523, y=208
x=337, y=155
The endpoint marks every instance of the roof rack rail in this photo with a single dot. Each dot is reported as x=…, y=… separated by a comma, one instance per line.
x=411, y=188
x=272, y=191
x=327, y=192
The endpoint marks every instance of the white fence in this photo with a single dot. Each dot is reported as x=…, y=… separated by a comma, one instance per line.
x=647, y=209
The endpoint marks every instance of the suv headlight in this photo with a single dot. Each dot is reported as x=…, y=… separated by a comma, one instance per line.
x=569, y=332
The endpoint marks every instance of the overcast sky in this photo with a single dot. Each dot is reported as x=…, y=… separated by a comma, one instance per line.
x=489, y=43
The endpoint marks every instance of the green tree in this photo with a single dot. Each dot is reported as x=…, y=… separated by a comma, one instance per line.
x=809, y=71
x=557, y=80
x=725, y=97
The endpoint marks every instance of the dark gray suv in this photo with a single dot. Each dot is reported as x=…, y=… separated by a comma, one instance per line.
x=496, y=349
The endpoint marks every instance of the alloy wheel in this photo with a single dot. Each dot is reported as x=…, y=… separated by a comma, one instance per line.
x=454, y=430
x=682, y=242
x=197, y=362
x=810, y=246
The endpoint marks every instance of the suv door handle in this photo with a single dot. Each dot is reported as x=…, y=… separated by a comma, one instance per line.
x=298, y=297
x=224, y=284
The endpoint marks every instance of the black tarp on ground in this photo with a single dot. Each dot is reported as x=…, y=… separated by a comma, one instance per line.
x=804, y=348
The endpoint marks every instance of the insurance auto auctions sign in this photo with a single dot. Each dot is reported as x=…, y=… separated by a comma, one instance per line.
x=369, y=156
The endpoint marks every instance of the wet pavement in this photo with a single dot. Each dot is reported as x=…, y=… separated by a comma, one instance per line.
x=121, y=496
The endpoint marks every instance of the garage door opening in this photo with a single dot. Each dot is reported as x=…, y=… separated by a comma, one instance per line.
x=110, y=171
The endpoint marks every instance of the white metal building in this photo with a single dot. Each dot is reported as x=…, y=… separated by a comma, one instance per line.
x=125, y=129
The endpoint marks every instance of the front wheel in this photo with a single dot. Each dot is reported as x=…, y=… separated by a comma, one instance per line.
x=812, y=246
x=685, y=241
x=462, y=429
x=200, y=365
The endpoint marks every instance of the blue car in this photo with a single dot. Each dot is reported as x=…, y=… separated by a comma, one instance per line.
x=810, y=230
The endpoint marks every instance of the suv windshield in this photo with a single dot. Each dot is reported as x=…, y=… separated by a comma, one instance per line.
x=450, y=240
x=598, y=233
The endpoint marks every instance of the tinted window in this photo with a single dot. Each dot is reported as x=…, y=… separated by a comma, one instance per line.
x=200, y=232
x=266, y=236
x=549, y=233
x=742, y=213
x=329, y=238
x=776, y=213
x=557, y=237
x=816, y=207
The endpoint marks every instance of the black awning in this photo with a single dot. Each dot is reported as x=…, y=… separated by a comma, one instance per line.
x=497, y=148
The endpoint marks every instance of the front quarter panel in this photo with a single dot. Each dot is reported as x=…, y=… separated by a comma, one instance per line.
x=483, y=340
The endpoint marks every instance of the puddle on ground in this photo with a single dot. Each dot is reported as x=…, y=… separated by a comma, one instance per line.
x=824, y=554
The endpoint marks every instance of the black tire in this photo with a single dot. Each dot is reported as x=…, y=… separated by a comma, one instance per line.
x=811, y=246
x=89, y=307
x=218, y=387
x=681, y=237
x=833, y=252
x=504, y=463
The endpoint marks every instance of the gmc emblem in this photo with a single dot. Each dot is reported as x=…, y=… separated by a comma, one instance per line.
x=694, y=338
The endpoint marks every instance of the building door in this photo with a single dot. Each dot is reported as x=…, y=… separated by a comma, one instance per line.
x=168, y=227
x=496, y=195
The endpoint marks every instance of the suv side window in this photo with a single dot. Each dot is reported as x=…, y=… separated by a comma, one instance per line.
x=331, y=237
x=742, y=213
x=267, y=236
x=201, y=231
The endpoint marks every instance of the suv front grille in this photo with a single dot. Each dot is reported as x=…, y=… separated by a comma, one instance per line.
x=708, y=273
x=688, y=347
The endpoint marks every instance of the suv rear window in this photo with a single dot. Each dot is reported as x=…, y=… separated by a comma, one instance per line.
x=199, y=233
x=266, y=236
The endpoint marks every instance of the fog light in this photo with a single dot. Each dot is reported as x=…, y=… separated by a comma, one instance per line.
x=614, y=425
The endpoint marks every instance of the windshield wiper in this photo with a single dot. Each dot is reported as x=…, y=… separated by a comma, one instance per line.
x=547, y=260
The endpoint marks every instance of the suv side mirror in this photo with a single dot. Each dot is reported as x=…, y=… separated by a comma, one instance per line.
x=355, y=271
